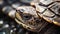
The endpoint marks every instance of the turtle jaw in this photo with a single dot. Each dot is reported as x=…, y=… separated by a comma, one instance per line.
x=26, y=26
x=22, y=22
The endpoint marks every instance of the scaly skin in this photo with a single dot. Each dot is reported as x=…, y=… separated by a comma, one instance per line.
x=49, y=10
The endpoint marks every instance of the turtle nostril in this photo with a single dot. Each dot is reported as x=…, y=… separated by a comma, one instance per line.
x=37, y=20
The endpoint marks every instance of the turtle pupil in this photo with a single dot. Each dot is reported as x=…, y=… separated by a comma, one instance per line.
x=27, y=17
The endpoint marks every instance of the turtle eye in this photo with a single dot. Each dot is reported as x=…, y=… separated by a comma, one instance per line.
x=27, y=16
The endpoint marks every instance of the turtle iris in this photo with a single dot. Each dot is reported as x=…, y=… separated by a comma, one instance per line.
x=26, y=16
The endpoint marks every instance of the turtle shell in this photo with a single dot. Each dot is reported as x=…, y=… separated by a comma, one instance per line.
x=28, y=18
x=49, y=10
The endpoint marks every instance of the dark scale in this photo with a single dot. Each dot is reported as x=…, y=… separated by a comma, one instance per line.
x=56, y=8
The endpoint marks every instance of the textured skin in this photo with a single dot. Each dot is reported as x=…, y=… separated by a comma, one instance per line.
x=49, y=10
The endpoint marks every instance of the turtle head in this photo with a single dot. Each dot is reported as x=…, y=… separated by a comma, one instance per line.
x=27, y=16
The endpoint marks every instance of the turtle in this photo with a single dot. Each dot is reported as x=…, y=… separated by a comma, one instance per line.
x=28, y=18
x=49, y=10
